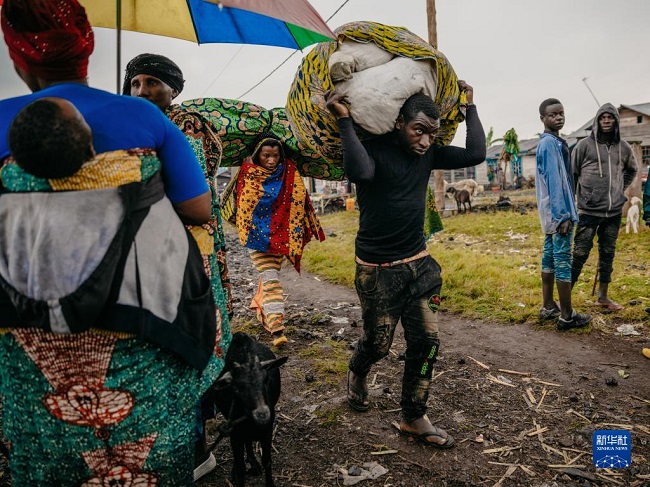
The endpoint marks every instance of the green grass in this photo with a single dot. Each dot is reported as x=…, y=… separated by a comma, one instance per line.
x=329, y=358
x=491, y=264
x=328, y=417
x=334, y=258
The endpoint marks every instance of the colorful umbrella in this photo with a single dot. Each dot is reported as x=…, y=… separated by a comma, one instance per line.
x=285, y=23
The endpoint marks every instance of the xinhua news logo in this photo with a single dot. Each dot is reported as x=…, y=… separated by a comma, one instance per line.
x=612, y=448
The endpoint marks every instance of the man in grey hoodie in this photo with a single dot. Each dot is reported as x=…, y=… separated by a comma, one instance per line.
x=603, y=167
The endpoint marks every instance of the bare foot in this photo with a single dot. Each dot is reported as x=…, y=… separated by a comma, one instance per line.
x=421, y=429
x=609, y=304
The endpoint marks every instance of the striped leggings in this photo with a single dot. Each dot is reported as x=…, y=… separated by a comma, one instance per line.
x=268, y=301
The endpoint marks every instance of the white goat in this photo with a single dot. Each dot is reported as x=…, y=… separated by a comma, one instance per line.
x=632, y=218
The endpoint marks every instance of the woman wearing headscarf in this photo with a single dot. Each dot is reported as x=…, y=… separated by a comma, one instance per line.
x=275, y=220
x=158, y=79
x=107, y=339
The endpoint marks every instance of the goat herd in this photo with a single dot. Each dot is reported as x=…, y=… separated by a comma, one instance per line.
x=465, y=190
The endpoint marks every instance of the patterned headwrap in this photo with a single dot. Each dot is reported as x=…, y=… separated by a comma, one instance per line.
x=155, y=65
x=263, y=139
x=50, y=39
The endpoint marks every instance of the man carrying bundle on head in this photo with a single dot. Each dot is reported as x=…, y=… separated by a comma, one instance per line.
x=396, y=278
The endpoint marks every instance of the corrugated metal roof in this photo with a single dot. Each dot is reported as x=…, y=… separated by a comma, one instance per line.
x=525, y=147
x=585, y=130
x=643, y=108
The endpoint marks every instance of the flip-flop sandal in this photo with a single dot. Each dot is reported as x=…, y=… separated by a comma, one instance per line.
x=279, y=339
x=422, y=437
x=361, y=406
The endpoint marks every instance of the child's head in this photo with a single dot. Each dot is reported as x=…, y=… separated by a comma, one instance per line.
x=267, y=151
x=551, y=113
x=50, y=139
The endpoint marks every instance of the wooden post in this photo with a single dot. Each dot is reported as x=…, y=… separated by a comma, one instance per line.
x=438, y=174
x=431, y=23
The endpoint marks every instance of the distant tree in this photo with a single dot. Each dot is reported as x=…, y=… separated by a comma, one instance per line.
x=489, y=141
x=509, y=152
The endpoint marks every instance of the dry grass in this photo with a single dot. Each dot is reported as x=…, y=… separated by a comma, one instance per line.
x=491, y=265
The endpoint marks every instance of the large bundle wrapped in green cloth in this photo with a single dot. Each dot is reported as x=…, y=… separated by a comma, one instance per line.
x=238, y=123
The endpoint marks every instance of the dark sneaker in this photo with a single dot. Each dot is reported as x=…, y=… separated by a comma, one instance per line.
x=578, y=320
x=549, y=314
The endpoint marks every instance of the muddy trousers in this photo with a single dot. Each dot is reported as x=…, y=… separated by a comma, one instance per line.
x=409, y=293
x=268, y=301
x=607, y=231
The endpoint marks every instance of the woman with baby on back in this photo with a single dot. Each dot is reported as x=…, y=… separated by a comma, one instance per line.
x=107, y=323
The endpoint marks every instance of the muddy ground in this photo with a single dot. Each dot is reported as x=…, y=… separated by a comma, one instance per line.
x=522, y=401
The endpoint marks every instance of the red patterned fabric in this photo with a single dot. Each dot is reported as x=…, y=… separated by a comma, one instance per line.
x=274, y=212
x=50, y=39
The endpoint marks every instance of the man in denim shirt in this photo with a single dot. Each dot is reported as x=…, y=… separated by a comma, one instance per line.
x=558, y=214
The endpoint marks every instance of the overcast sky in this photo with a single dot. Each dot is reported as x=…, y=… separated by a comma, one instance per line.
x=514, y=52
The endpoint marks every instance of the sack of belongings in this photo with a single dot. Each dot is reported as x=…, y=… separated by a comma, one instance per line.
x=378, y=67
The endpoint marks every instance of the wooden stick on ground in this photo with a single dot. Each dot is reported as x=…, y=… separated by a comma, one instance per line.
x=571, y=411
x=508, y=473
x=538, y=431
x=640, y=399
x=501, y=449
x=539, y=381
x=608, y=479
x=494, y=379
x=544, y=392
x=531, y=396
x=481, y=364
x=516, y=372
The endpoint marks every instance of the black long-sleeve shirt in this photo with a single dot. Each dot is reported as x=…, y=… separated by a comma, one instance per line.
x=392, y=183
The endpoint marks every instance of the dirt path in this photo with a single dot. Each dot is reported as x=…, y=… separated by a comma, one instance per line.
x=531, y=423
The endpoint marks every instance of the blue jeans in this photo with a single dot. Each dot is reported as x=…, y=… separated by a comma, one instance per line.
x=409, y=292
x=607, y=231
x=556, y=256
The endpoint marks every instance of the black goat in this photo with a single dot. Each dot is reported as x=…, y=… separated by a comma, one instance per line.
x=246, y=394
x=462, y=197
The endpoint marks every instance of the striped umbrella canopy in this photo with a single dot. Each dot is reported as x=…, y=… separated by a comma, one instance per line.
x=286, y=23
x=293, y=24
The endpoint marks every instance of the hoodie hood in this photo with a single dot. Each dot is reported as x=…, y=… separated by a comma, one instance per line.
x=611, y=109
x=595, y=128
x=602, y=171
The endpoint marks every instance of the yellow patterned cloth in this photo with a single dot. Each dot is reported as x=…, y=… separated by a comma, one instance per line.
x=106, y=170
x=316, y=128
x=274, y=212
